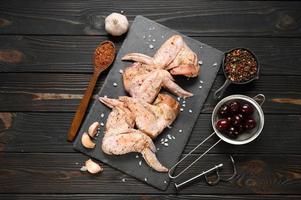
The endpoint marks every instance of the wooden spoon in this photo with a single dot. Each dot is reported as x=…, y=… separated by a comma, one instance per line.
x=102, y=59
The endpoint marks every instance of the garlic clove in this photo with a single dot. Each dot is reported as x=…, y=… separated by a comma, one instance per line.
x=83, y=169
x=93, y=129
x=87, y=142
x=93, y=167
x=116, y=24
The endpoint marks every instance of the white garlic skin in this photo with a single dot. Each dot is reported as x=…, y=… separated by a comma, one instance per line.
x=116, y=24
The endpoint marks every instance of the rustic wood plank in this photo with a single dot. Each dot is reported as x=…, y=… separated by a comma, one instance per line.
x=142, y=197
x=59, y=173
x=46, y=132
x=194, y=17
x=278, y=56
x=62, y=92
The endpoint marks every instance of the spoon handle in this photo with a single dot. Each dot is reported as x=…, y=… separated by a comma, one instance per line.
x=81, y=110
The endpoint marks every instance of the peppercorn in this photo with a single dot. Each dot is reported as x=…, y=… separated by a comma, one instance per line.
x=240, y=65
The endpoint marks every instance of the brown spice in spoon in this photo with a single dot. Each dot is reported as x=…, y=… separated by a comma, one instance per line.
x=103, y=57
x=104, y=54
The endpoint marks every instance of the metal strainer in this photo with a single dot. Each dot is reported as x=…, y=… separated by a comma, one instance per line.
x=244, y=138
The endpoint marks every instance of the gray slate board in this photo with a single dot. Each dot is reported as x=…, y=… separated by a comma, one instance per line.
x=139, y=37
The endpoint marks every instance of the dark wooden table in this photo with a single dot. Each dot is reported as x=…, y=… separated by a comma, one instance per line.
x=45, y=65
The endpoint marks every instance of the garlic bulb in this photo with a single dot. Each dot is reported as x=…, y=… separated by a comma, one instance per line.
x=116, y=24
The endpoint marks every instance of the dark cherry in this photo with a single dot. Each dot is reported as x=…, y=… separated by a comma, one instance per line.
x=250, y=123
x=232, y=132
x=247, y=109
x=224, y=110
x=240, y=128
x=234, y=107
x=222, y=125
x=237, y=120
x=241, y=116
x=229, y=118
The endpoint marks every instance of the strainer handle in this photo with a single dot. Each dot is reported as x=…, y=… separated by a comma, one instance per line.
x=259, y=98
x=194, y=161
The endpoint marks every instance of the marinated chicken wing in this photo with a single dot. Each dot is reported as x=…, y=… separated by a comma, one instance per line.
x=144, y=82
x=173, y=55
x=153, y=119
x=121, y=138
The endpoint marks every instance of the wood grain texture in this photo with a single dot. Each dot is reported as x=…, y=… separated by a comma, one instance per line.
x=194, y=17
x=143, y=197
x=59, y=173
x=46, y=132
x=61, y=92
x=45, y=65
x=278, y=56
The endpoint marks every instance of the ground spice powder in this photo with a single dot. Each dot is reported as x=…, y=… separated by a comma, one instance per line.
x=104, y=54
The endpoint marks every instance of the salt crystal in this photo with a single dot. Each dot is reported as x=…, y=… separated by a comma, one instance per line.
x=158, y=149
x=183, y=105
x=102, y=124
x=115, y=84
x=200, y=62
x=137, y=156
x=123, y=180
x=179, y=98
x=102, y=115
x=166, y=144
x=145, y=179
x=162, y=139
x=169, y=136
x=162, y=36
x=121, y=71
x=200, y=87
x=180, y=131
x=166, y=140
x=173, y=137
x=121, y=11
x=190, y=111
x=105, y=96
x=140, y=163
x=144, y=37
x=184, y=102
x=76, y=163
x=151, y=46
x=169, y=126
x=165, y=182
x=201, y=81
x=149, y=36
x=181, y=109
x=214, y=64
x=154, y=40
